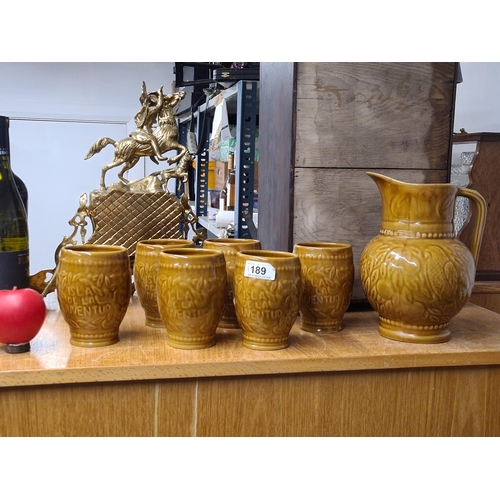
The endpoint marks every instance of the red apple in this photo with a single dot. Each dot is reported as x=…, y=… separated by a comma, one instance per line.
x=22, y=313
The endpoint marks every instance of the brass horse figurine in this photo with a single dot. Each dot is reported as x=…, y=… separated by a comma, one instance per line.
x=128, y=151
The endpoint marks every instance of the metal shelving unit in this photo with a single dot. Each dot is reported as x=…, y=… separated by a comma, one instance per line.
x=242, y=102
x=246, y=126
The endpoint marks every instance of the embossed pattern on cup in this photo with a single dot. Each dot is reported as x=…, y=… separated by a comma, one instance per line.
x=267, y=290
x=230, y=247
x=328, y=278
x=94, y=286
x=146, y=273
x=191, y=294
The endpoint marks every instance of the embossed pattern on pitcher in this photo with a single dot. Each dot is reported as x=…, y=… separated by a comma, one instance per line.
x=422, y=284
x=415, y=273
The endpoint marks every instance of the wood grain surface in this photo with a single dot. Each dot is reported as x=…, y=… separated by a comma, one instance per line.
x=276, y=140
x=487, y=294
x=374, y=115
x=425, y=402
x=354, y=383
x=143, y=354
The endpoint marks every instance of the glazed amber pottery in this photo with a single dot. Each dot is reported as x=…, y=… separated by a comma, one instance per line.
x=267, y=289
x=191, y=293
x=327, y=279
x=230, y=247
x=415, y=273
x=94, y=285
x=146, y=273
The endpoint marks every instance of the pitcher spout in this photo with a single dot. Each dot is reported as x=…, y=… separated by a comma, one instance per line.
x=382, y=180
x=387, y=184
x=416, y=209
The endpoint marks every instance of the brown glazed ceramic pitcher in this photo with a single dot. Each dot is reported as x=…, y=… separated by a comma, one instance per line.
x=415, y=273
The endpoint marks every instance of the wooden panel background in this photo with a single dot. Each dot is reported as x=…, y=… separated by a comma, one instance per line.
x=487, y=294
x=391, y=118
x=276, y=128
x=425, y=402
x=449, y=401
x=100, y=410
x=374, y=115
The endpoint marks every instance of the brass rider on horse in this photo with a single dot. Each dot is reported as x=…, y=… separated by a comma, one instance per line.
x=152, y=104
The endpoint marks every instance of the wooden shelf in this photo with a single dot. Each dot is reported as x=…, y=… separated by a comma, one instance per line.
x=143, y=354
x=354, y=383
x=230, y=95
x=210, y=226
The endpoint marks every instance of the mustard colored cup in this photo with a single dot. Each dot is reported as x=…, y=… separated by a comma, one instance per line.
x=146, y=273
x=267, y=289
x=328, y=278
x=191, y=292
x=94, y=286
x=230, y=248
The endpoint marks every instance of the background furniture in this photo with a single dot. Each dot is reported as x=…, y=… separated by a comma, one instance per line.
x=484, y=173
x=324, y=124
x=243, y=111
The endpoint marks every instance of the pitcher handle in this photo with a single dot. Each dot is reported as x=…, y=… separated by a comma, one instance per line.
x=479, y=219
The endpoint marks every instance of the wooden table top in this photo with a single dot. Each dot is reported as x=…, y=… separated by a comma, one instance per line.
x=143, y=354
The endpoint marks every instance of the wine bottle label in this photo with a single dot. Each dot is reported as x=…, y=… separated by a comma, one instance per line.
x=14, y=270
x=13, y=244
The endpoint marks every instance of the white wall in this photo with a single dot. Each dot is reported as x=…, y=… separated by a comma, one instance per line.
x=57, y=111
x=477, y=106
x=82, y=91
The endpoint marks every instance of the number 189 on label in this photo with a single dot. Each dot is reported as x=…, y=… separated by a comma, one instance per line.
x=260, y=270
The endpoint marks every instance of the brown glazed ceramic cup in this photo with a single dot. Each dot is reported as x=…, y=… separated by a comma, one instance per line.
x=267, y=289
x=94, y=285
x=146, y=272
x=230, y=247
x=191, y=294
x=328, y=278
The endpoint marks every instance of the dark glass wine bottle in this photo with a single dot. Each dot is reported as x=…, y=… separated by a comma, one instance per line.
x=23, y=190
x=14, y=247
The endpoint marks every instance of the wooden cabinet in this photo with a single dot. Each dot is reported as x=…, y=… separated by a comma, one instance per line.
x=354, y=383
x=324, y=125
x=484, y=172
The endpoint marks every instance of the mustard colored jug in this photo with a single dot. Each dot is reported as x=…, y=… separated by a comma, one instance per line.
x=416, y=274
